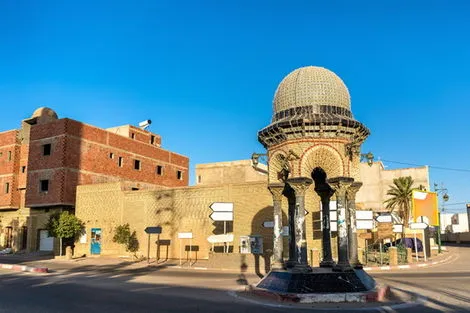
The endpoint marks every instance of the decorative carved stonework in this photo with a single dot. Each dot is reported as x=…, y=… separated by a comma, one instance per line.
x=352, y=191
x=300, y=184
x=340, y=185
x=276, y=190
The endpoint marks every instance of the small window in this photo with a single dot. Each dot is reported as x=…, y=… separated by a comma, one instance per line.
x=159, y=170
x=9, y=155
x=111, y=155
x=23, y=169
x=199, y=179
x=152, y=139
x=46, y=149
x=44, y=185
x=120, y=161
x=179, y=175
x=135, y=188
x=136, y=164
x=132, y=135
x=7, y=187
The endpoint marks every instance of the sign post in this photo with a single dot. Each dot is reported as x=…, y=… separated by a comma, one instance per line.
x=187, y=235
x=223, y=212
x=149, y=231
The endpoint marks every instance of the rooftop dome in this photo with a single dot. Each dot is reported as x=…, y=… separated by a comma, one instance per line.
x=45, y=112
x=311, y=87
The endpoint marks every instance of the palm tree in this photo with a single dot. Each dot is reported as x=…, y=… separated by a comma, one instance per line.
x=400, y=200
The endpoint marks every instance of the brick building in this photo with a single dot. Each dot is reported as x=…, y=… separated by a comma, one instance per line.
x=43, y=162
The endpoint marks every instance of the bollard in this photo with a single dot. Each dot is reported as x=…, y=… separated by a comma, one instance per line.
x=68, y=253
x=409, y=257
x=393, y=256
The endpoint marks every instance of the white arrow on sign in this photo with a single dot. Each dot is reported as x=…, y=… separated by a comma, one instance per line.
x=221, y=216
x=384, y=218
x=222, y=206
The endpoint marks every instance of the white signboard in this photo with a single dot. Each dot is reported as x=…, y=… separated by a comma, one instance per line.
x=268, y=224
x=83, y=238
x=364, y=215
x=185, y=235
x=384, y=218
x=398, y=228
x=364, y=224
x=222, y=216
x=418, y=225
x=222, y=206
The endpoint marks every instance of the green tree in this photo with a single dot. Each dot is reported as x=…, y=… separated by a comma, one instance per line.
x=64, y=225
x=124, y=236
x=400, y=197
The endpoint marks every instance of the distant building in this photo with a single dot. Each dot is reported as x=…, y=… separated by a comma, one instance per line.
x=43, y=162
x=232, y=172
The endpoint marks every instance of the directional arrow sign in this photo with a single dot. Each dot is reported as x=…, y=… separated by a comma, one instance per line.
x=384, y=218
x=153, y=230
x=222, y=206
x=222, y=216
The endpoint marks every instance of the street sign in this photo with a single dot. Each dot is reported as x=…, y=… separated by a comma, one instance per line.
x=187, y=235
x=153, y=230
x=385, y=230
x=222, y=206
x=364, y=224
x=364, y=215
x=385, y=218
x=268, y=224
x=365, y=235
x=398, y=228
x=221, y=216
x=418, y=225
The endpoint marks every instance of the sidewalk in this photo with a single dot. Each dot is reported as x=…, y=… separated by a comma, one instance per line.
x=41, y=264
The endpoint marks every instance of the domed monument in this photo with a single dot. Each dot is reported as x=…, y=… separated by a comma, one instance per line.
x=313, y=148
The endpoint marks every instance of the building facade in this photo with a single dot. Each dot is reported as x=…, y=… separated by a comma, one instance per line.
x=313, y=135
x=43, y=162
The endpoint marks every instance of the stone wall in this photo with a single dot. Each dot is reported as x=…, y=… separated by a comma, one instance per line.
x=187, y=209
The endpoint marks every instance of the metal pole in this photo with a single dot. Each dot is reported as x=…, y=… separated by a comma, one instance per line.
x=424, y=247
x=190, y=244
x=158, y=247
x=439, y=249
x=416, y=248
x=181, y=251
x=148, y=249
x=380, y=253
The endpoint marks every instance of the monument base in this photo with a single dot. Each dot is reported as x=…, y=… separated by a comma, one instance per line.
x=318, y=280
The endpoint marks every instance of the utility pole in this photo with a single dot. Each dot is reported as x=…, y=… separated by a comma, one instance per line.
x=445, y=197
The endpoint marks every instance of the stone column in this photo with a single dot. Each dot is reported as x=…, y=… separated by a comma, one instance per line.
x=276, y=190
x=325, y=192
x=290, y=195
x=352, y=231
x=300, y=185
x=341, y=184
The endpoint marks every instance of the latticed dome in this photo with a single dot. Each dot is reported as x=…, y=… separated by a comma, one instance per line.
x=312, y=88
x=45, y=112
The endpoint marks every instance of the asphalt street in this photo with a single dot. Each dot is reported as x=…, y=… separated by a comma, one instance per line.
x=444, y=288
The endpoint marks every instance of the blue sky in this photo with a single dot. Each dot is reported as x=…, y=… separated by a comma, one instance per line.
x=205, y=72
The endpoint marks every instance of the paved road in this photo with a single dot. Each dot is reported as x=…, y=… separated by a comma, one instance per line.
x=103, y=289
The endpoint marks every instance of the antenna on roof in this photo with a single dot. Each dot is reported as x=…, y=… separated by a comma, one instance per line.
x=144, y=124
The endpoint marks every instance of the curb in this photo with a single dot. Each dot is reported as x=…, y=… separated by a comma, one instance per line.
x=24, y=268
x=404, y=267
x=378, y=294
